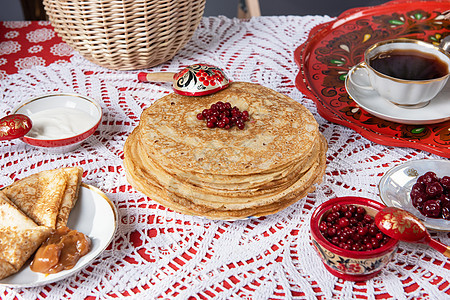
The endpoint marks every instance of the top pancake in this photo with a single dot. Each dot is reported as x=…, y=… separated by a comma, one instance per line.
x=279, y=131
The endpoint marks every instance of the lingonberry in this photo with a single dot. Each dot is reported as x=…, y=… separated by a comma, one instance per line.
x=222, y=115
x=350, y=227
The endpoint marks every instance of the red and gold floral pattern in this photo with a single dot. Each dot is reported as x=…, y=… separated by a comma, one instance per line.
x=14, y=126
x=334, y=47
x=352, y=268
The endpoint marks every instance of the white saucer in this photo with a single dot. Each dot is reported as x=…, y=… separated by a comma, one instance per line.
x=438, y=110
x=94, y=215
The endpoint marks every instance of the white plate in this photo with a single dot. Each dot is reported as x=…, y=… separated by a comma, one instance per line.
x=397, y=183
x=94, y=215
x=438, y=110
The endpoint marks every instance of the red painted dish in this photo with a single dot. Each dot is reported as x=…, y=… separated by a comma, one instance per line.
x=347, y=264
x=334, y=47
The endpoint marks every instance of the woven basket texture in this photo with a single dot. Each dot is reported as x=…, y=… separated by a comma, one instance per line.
x=125, y=34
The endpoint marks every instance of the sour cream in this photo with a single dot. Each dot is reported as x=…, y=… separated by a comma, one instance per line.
x=59, y=123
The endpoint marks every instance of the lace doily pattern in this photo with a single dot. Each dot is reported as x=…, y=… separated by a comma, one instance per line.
x=160, y=254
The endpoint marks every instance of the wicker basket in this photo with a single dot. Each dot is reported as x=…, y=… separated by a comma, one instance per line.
x=125, y=34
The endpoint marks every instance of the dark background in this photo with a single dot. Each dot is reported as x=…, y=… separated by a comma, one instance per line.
x=289, y=7
x=11, y=9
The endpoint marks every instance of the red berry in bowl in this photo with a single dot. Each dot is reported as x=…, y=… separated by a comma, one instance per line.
x=445, y=213
x=418, y=189
x=434, y=189
x=429, y=195
x=431, y=209
x=419, y=201
x=445, y=182
x=342, y=228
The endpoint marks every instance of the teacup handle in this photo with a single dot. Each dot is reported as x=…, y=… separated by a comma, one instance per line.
x=351, y=74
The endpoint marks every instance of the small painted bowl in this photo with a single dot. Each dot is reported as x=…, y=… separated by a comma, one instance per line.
x=60, y=122
x=348, y=264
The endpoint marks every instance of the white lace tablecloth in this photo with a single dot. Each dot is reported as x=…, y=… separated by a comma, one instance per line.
x=157, y=253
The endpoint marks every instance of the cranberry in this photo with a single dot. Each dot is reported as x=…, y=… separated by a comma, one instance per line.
x=431, y=209
x=335, y=240
x=342, y=228
x=323, y=227
x=331, y=231
x=359, y=216
x=336, y=208
x=367, y=219
x=362, y=231
x=343, y=222
x=221, y=115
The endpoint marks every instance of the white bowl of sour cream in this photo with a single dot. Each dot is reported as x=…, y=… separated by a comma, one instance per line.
x=60, y=122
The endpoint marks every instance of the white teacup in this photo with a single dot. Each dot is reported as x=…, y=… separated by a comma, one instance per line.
x=388, y=70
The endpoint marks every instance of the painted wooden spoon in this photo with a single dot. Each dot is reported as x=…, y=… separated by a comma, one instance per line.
x=404, y=226
x=14, y=126
x=194, y=80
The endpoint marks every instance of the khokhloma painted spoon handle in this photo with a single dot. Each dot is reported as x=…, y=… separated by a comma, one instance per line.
x=444, y=249
x=156, y=77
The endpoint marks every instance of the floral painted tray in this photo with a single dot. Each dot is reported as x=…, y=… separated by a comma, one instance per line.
x=334, y=47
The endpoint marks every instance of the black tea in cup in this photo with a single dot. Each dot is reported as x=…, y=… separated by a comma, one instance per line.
x=409, y=64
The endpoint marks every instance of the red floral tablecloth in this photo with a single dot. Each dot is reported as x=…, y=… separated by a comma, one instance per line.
x=27, y=44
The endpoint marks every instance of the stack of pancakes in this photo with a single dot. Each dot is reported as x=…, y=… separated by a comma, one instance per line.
x=178, y=161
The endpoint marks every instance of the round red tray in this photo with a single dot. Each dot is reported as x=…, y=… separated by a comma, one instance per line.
x=334, y=47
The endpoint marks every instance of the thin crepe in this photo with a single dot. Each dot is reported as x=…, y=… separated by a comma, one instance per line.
x=70, y=195
x=19, y=237
x=47, y=197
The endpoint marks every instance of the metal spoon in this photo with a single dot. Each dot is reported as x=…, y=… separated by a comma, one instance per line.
x=404, y=226
x=14, y=126
x=445, y=44
x=194, y=80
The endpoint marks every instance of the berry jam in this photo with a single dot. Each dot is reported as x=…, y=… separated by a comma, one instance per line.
x=222, y=115
x=349, y=227
x=431, y=196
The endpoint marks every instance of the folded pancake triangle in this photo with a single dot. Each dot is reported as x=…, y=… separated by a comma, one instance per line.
x=48, y=196
x=30, y=209
x=19, y=237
